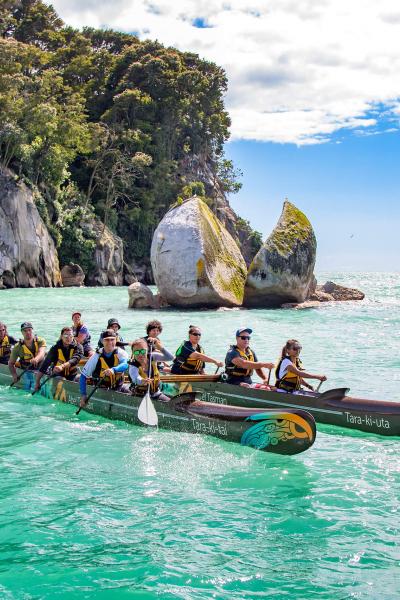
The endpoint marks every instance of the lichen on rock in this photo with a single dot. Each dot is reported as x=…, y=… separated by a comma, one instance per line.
x=282, y=270
x=195, y=260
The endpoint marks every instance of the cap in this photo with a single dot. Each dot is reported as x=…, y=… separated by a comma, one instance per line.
x=113, y=322
x=108, y=333
x=76, y=313
x=26, y=325
x=242, y=329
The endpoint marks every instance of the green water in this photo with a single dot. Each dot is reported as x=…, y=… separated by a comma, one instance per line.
x=98, y=509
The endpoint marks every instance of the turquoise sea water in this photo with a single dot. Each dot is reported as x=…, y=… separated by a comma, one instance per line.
x=97, y=509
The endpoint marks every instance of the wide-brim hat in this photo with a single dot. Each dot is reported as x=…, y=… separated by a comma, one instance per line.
x=113, y=322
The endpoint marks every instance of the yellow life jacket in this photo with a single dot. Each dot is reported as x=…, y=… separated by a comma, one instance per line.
x=108, y=362
x=68, y=370
x=290, y=381
x=5, y=347
x=25, y=354
x=236, y=371
x=140, y=390
x=190, y=365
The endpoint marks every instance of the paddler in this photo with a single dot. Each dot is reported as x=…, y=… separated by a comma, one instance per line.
x=143, y=375
x=153, y=330
x=7, y=341
x=29, y=351
x=190, y=358
x=107, y=364
x=63, y=357
x=115, y=326
x=241, y=361
x=289, y=372
x=81, y=333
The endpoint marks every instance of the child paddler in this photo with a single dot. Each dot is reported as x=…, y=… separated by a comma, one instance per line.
x=241, y=361
x=107, y=364
x=190, y=358
x=142, y=374
x=29, y=352
x=64, y=357
x=289, y=372
x=7, y=341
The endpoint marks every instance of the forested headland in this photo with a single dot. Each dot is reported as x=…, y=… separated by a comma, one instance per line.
x=102, y=125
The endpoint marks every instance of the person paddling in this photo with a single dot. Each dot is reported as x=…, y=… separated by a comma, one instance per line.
x=29, y=351
x=64, y=356
x=190, y=358
x=142, y=374
x=241, y=361
x=7, y=341
x=289, y=372
x=115, y=326
x=107, y=364
x=153, y=330
x=81, y=333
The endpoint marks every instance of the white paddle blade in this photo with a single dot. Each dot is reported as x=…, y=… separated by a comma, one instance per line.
x=147, y=413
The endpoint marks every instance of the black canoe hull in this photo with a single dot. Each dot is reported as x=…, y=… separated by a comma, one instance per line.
x=332, y=407
x=274, y=430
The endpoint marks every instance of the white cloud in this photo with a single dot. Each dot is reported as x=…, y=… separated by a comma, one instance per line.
x=298, y=70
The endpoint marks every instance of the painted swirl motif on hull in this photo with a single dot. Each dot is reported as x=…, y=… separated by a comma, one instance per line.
x=272, y=430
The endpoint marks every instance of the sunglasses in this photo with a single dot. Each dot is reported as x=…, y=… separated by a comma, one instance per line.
x=245, y=337
x=296, y=348
x=196, y=334
x=142, y=351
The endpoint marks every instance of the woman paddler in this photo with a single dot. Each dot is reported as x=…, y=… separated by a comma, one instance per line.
x=81, y=333
x=289, y=372
x=190, y=358
x=143, y=375
x=7, y=341
x=64, y=357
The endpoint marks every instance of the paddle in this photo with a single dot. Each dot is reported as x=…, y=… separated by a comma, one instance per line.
x=23, y=373
x=146, y=412
x=90, y=395
x=320, y=383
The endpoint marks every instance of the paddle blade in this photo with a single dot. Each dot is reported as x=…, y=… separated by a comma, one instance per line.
x=147, y=413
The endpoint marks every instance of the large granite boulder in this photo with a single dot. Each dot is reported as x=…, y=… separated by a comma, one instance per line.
x=141, y=296
x=337, y=292
x=108, y=257
x=72, y=275
x=282, y=270
x=195, y=260
x=28, y=257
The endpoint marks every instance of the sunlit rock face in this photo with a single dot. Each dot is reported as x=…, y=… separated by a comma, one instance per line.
x=28, y=257
x=195, y=261
x=282, y=270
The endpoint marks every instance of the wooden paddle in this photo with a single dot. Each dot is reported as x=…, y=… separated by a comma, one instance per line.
x=320, y=383
x=147, y=414
x=90, y=395
x=28, y=368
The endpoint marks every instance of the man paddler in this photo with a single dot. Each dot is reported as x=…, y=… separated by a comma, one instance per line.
x=81, y=333
x=241, y=360
x=63, y=357
x=107, y=364
x=7, y=341
x=29, y=352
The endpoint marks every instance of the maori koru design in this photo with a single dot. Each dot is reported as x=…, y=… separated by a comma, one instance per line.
x=271, y=430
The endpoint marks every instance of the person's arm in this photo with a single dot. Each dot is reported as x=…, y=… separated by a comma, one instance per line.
x=162, y=355
x=248, y=364
x=36, y=360
x=205, y=358
x=303, y=374
x=135, y=377
x=13, y=359
x=87, y=371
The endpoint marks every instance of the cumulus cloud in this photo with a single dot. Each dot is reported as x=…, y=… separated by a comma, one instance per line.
x=298, y=70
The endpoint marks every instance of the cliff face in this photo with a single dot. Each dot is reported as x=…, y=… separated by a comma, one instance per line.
x=28, y=257
x=195, y=260
x=282, y=270
x=108, y=257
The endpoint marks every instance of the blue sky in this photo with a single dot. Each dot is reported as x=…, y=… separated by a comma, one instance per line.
x=314, y=99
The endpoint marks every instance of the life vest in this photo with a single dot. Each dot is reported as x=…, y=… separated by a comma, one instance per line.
x=191, y=366
x=108, y=362
x=290, y=381
x=141, y=389
x=25, y=354
x=5, y=347
x=232, y=369
x=61, y=359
